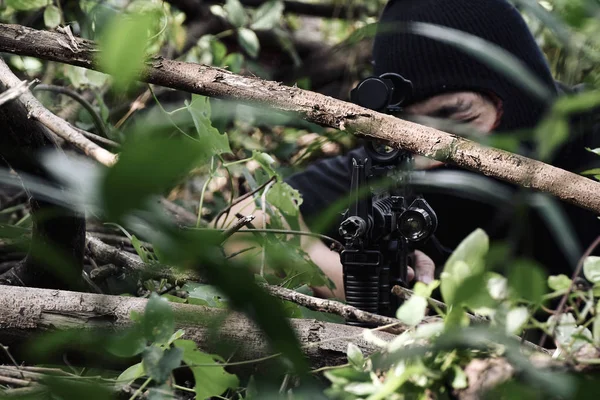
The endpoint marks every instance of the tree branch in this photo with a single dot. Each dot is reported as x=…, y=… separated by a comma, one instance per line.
x=26, y=311
x=323, y=110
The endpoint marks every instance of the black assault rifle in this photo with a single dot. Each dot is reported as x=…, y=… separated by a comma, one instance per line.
x=384, y=222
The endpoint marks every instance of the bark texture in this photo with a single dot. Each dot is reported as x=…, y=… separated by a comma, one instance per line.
x=320, y=109
x=24, y=312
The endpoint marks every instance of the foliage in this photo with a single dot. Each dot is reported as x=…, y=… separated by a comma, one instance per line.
x=203, y=153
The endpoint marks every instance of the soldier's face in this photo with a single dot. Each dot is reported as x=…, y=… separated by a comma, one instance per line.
x=465, y=107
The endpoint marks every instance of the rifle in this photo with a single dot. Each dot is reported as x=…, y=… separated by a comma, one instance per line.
x=382, y=225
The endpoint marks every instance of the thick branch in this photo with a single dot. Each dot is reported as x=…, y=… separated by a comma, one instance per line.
x=324, y=9
x=323, y=110
x=25, y=311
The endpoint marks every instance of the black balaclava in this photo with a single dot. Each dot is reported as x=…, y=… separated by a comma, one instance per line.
x=435, y=67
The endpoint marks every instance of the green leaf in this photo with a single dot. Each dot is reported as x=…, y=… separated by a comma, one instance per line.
x=211, y=379
x=266, y=162
x=219, y=51
x=596, y=325
x=527, y=281
x=591, y=269
x=515, y=319
x=158, y=322
x=51, y=16
x=148, y=165
x=236, y=14
x=567, y=331
x=233, y=62
x=459, y=381
x=208, y=293
x=285, y=198
x=142, y=252
x=249, y=41
x=425, y=290
x=123, y=47
x=412, y=311
x=212, y=140
x=550, y=134
x=128, y=343
x=577, y=103
x=466, y=261
x=559, y=282
x=132, y=373
x=159, y=364
x=26, y=4
x=595, y=151
x=267, y=15
x=594, y=171
x=175, y=336
x=355, y=356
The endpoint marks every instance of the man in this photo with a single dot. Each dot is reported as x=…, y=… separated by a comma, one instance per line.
x=449, y=83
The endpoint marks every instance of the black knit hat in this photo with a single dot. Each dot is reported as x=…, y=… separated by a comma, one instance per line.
x=435, y=67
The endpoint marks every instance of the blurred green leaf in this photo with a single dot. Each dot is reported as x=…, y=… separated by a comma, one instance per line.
x=211, y=379
x=159, y=364
x=596, y=325
x=158, y=320
x=249, y=41
x=550, y=134
x=355, y=356
x=591, y=269
x=233, y=62
x=527, y=280
x=219, y=50
x=412, y=311
x=148, y=165
x=285, y=198
x=26, y=4
x=68, y=388
x=51, y=17
x=128, y=343
x=488, y=53
x=124, y=58
x=425, y=290
x=595, y=151
x=515, y=319
x=235, y=12
x=212, y=140
x=594, y=171
x=132, y=373
x=559, y=282
x=466, y=260
x=162, y=392
x=577, y=103
x=267, y=15
x=459, y=381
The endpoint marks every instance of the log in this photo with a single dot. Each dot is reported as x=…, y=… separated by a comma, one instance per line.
x=27, y=311
x=320, y=109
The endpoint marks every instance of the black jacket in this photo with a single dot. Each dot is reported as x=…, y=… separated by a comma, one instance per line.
x=552, y=232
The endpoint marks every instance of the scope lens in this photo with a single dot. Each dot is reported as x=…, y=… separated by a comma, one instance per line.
x=415, y=224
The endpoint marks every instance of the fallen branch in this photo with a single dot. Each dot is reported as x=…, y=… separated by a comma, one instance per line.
x=133, y=265
x=27, y=311
x=334, y=307
x=323, y=110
